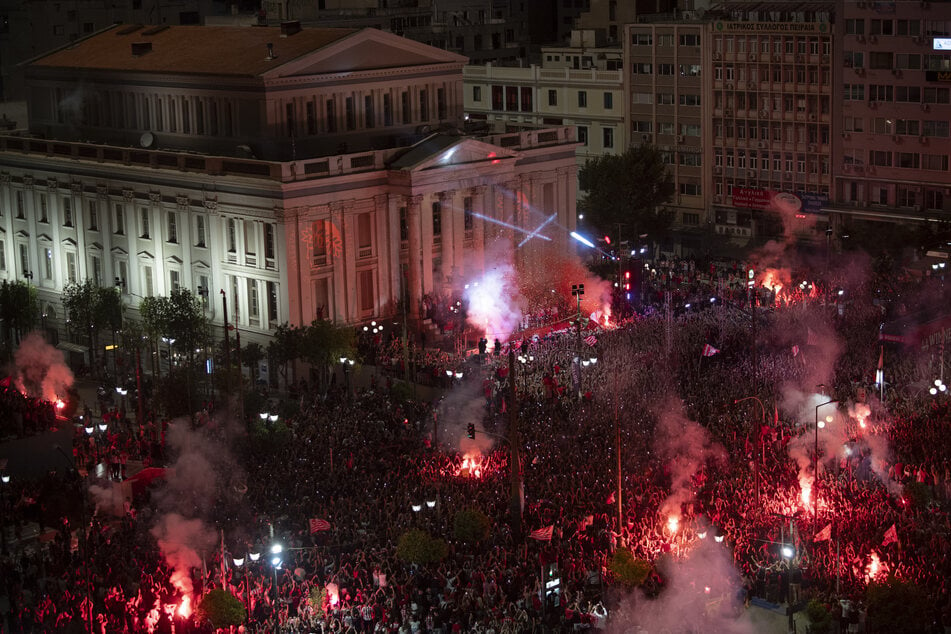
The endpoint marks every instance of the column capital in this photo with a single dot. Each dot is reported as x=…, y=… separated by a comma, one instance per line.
x=477, y=190
x=448, y=194
x=415, y=200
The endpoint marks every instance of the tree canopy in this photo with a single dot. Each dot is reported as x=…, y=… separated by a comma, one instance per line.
x=179, y=316
x=629, y=189
x=19, y=309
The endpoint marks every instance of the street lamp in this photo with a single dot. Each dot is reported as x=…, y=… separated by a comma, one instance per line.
x=277, y=558
x=170, y=341
x=577, y=290
x=815, y=467
x=239, y=564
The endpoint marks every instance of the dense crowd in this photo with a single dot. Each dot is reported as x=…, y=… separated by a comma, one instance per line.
x=373, y=463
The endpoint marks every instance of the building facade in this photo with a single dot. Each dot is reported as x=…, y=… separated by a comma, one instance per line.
x=294, y=176
x=891, y=158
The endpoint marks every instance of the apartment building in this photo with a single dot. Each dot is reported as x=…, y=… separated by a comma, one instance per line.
x=579, y=85
x=891, y=159
x=296, y=175
x=667, y=103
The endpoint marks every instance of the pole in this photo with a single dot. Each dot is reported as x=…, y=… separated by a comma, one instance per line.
x=514, y=458
x=578, y=349
x=140, y=416
x=617, y=440
x=224, y=316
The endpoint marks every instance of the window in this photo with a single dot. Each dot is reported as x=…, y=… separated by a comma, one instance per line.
x=311, y=114
x=404, y=225
x=172, y=233
x=908, y=94
x=608, y=138
x=881, y=27
x=526, y=99
x=937, y=62
x=365, y=290
x=96, y=268
x=936, y=162
x=199, y=231
x=272, y=302
x=853, y=92
x=665, y=98
x=665, y=40
x=48, y=264
x=905, y=61
x=690, y=129
x=250, y=237
x=689, y=100
x=350, y=113
x=690, y=189
x=691, y=70
x=908, y=27
x=690, y=39
x=498, y=97
x=387, y=109
x=665, y=69
x=608, y=101
x=232, y=235
x=93, y=215
x=424, y=105
x=582, y=99
x=641, y=39
x=147, y=281
x=365, y=234
x=690, y=219
x=67, y=212
x=934, y=199
x=24, y=259
x=407, y=108
x=253, y=299
x=936, y=128
x=692, y=159
x=936, y=95
x=855, y=27
x=878, y=60
x=880, y=158
x=908, y=160
x=331, y=115
x=644, y=127
x=583, y=135
x=665, y=127
x=122, y=272
x=119, y=211
x=43, y=209
x=441, y=107
x=174, y=280
x=552, y=97
x=368, y=111
x=467, y=218
x=319, y=243
x=910, y=127
x=437, y=220
x=642, y=98
x=71, y=267
x=477, y=93
x=642, y=69
x=144, y=222
x=270, y=241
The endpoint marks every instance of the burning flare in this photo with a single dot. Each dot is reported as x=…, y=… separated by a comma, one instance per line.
x=673, y=523
x=875, y=568
x=805, y=487
x=471, y=466
x=185, y=607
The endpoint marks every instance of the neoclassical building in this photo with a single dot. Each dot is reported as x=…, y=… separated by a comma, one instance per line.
x=299, y=173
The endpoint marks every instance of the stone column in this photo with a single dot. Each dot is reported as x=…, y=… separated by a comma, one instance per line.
x=415, y=273
x=392, y=240
x=335, y=251
x=447, y=203
x=458, y=237
x=426, y=222
x=478, y=227
x=350, y=262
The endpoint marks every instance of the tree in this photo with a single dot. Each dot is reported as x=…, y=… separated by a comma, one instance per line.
x=897, y=607
x=471, y=525
x=323, y=343
x=221, y=608
x=628, y=189
x=180, y=316
x=93, y=309
x=19, y=309
x=285, y=347
x=627, y=570
x=418, y=547
x=251, y=356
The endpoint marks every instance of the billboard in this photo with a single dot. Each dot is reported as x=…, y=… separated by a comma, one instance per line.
x=764, y=199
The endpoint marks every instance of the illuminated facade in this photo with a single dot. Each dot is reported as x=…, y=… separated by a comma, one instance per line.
x=294, y=174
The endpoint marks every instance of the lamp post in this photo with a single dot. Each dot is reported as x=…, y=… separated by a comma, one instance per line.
x=815, y=467
x=577, y=290
x=239, y=564
x=4, y=481
x=346, y=363
x=759, y=438
x=170, y=341
x=277, y=558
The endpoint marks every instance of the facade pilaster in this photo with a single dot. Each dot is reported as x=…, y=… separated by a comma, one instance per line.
x=415, y=273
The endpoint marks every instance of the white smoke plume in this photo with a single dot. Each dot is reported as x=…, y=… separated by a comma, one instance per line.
x=463, y=405
x=41, y=369
x=181, y=541
x=494, y=302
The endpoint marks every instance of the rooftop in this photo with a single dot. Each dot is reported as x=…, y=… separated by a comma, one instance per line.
x=194, y=50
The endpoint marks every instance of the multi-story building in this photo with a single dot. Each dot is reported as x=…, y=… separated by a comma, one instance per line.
x=579, y=86
x=32, y=27
x=667, y=104
x=893, y=140
x=299, y=173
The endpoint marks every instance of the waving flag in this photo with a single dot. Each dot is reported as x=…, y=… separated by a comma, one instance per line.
x=317, y=526
x=709, y=351
x=543, y=534
x=591, y=340
x=824, y=535
x=880, y=372
x=891, y=536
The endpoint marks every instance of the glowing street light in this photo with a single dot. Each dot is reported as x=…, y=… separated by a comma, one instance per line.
x=583, y=240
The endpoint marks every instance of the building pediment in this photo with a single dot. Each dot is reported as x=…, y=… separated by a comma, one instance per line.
x=68, y=242
x=145, y=255
x=200, y=265
x=173, y=259
x=119, y=251
x=364, y=50
x=22, y=234
x=439, y=151
x=42, y=237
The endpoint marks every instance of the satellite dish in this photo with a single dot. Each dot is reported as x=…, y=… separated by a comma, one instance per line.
x=147, y=140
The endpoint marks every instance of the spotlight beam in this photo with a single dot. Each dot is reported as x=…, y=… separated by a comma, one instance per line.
x=534, y=234
x=508, y=226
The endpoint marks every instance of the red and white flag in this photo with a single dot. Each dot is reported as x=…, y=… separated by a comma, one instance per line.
x=543, y=534
x=709, y=351
x=317, y=525
x=591, y=340
x=891, y=536
x=880, y=371
x=795, y=351
x=611, y=499
x=824, y=535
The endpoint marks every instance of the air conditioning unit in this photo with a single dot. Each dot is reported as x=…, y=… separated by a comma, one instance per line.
x=873, y=105
x=925, y=107
x=812, y=147
x=777, y=58
x=680, y=138
x=917, y=207
x=764, y=114
x=923, y=140
x=751, y=174
x=846, y=135
x=860, y=39
x=860, y=72
x=873, y=39
x=717, y=170
x=812, y=117
x=763, y=145
x=752, y=57
x=717, y=57
x=917, y=39
x=718, y=198
x=896, y=72
x=729, y=86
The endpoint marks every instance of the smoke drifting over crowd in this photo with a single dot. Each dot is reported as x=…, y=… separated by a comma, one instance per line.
x=41, y=370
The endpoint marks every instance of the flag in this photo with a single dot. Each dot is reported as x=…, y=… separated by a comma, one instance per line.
x=708, y=350
x=891, y=536
x=880, y=372
x=824, y=535
x=811, y=339
x=795, y=351
x=775, y=415
x=591, y=340
x=611, y=499
x=317, y=525
x=542, y=534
